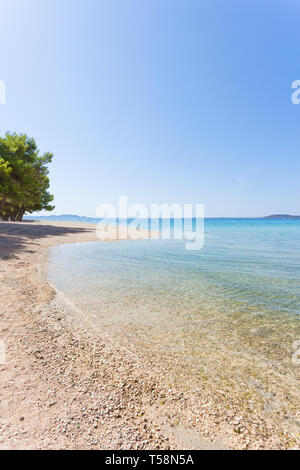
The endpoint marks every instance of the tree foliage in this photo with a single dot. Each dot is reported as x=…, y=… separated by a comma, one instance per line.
x=24, y=178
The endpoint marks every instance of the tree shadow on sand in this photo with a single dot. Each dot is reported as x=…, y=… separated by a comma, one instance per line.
x=14, y=237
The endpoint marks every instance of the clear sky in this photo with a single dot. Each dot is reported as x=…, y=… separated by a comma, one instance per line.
x=160, y=100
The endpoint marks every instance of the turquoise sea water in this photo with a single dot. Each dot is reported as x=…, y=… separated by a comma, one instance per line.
x=227, y=314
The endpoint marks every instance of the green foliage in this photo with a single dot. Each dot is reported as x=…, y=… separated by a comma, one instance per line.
x=24, y=178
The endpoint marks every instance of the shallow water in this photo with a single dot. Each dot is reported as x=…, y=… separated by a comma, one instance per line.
x=226, y=316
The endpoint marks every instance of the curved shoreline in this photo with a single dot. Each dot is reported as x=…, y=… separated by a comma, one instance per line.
x=79, y=413
x=66, y=385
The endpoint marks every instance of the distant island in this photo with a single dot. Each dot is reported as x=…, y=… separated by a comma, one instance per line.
x=63, y=218
x=282, y=216
x=78, y=218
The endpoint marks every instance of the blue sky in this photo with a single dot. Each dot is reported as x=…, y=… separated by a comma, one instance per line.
x=160, y=100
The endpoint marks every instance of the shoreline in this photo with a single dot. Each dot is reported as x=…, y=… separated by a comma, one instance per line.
x=53, y=333
x=68, y=385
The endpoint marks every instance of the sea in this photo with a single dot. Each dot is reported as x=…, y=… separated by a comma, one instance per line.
x=226, y=315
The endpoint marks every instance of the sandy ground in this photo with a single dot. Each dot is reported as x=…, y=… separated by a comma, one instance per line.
x=65, y=385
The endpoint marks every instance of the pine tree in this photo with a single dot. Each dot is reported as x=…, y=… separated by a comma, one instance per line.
x=24, y=180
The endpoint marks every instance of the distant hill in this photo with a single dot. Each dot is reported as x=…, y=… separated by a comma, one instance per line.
x=282, y=216
x=79, y=218
x=62, y=218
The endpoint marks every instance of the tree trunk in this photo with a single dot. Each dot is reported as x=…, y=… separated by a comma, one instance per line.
x=21, y=214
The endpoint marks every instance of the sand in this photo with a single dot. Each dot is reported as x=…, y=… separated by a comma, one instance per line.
x=66, y=385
